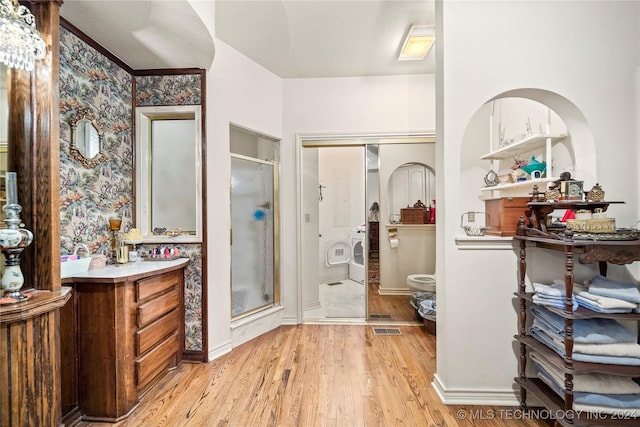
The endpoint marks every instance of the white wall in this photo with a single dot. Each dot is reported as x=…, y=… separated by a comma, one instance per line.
x=342, y=106
x=589, y=68
x=341, y=172
x=243, y=93
x=415, y=253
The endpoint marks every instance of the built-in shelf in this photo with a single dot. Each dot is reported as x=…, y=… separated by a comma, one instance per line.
x=522, y=184
x=529, y=143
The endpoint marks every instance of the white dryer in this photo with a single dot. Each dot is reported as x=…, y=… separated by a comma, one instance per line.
x=356, y=264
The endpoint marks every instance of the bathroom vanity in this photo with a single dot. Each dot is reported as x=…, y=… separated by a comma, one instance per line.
x=122, y=332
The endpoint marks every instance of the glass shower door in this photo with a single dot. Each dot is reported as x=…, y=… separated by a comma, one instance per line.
x=252, y=235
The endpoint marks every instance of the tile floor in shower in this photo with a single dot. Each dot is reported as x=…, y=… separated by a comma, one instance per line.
x=348, y=288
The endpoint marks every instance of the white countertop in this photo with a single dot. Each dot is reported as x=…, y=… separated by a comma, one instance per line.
x=138, y=268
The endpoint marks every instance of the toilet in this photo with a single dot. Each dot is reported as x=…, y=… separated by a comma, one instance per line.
x=423, y=299
x=422, y=282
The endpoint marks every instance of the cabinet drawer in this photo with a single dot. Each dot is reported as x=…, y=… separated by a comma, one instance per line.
x=157, y=284
x=151, y=335
x=157, y=360
x=156, y=308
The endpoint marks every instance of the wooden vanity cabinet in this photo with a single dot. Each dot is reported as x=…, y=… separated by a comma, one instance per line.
x=129, y=332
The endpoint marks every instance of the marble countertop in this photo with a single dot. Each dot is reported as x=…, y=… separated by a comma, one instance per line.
x=131, y=270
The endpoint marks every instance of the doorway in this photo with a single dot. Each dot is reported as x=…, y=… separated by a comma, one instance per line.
x=341, y=201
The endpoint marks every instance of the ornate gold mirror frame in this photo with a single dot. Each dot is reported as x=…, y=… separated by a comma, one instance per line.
x=86, y=131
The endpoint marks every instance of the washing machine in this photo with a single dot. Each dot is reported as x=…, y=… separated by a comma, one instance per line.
x=356, y=264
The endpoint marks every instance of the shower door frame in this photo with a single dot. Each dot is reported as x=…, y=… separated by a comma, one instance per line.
x=306, y=140
x=276, y=237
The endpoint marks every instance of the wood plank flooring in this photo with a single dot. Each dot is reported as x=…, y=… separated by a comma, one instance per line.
x=397, y=306
x=313, y=376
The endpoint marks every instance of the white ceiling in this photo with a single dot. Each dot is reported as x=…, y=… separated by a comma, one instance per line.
x=304, y=38
x=291, y=38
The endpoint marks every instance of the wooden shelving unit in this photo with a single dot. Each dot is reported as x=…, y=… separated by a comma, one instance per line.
x=585, y=251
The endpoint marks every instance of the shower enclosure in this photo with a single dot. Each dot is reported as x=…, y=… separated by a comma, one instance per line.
x=253, y=228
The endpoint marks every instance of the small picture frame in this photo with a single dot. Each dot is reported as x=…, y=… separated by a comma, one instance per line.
x=571, y=190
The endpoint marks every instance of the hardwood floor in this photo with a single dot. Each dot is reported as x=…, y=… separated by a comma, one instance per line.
x=314, y=375
x=396, y=306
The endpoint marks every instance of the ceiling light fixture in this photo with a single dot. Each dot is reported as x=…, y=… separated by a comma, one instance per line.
x=417, y=43
x=20, y=42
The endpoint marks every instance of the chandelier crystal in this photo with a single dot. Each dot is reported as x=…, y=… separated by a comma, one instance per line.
x=20, y=42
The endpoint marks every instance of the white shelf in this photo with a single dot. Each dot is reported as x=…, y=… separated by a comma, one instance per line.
x=522, y=184
x=530, y=143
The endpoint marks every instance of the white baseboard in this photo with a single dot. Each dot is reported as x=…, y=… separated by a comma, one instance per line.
x=394, y=291
x=219, y=351
x=506, y=397
x=289, y=320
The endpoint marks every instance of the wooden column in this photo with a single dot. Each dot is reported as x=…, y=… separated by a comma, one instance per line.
x=29, y=331
x=34, y=151
x=30, y=361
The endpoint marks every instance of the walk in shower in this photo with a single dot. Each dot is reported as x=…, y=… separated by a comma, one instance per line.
x=253, y=235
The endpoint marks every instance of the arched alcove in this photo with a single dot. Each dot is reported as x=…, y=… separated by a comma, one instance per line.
x=572, y=149
x=409, y=183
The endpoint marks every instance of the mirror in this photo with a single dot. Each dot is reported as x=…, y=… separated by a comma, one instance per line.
x=4, y=131
x=169, y=205
x=87, y=139
x=4, y=107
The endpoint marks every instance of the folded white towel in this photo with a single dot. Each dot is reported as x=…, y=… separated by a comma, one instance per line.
x=618, y=349
x=590, y=383
x=620, y=413
x=601, y=301
x=555, y=290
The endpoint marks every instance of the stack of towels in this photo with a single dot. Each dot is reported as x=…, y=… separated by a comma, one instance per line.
x=608, y=296
x=552, y=295
x=599, y=294
x=602, y=393
x=594, y=340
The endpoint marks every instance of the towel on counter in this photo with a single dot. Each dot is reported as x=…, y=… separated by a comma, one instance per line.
x=599, y=303
x=558, y=347
x=587, y=331
x=589, y=383
x=621, y=401
x=625, y=291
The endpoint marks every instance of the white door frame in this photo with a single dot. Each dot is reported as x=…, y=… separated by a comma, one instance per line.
x=337, y=139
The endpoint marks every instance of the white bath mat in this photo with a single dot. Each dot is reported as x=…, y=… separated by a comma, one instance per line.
x=340, y=304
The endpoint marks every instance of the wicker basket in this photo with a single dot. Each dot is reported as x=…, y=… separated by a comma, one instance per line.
x=412, y=216
x=603, y=225
x=470, y=228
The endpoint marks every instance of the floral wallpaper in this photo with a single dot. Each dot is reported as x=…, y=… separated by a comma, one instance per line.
x=182, y=89
x=90, y=196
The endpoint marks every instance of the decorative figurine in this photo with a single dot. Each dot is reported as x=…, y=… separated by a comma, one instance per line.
x=13, y=240
x=596, y=194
